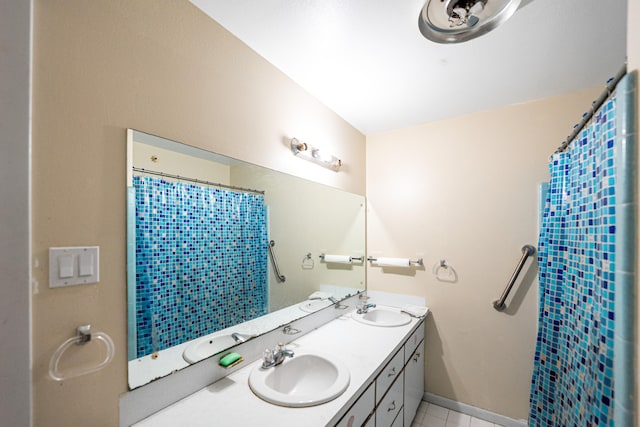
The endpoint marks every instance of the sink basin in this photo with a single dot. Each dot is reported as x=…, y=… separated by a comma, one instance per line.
x=383, y=316
x=205, y=347
x=311, y=306
x=306, y=379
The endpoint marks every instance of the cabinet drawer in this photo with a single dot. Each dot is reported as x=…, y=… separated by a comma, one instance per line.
x=391, y=405
x=389, y=374
x=357, y=415
x=412, y=343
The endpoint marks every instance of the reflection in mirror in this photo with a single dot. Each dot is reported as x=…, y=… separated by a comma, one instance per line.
x=199, y=275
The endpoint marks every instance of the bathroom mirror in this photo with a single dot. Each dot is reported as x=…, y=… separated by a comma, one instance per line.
x=201, y=228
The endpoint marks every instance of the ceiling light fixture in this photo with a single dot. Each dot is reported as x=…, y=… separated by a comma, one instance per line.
x=315, y=155
x=455, y=21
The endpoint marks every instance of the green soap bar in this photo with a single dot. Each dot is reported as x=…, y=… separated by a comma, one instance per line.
x=230, y=359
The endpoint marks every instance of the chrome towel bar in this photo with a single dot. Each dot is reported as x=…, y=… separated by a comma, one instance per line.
x=527, y=250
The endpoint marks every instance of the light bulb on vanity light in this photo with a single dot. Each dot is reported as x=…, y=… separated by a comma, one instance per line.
x=297, y=146
x=314, y=154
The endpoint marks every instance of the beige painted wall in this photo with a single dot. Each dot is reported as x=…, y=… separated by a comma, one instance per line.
x=466, y=190
x=173, y=163
x=167, y=69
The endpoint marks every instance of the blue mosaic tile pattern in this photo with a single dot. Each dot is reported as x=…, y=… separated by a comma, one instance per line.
x=201, y=261
x=572, y=383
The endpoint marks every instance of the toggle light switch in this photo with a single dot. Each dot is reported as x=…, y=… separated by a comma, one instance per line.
x=86, y=264
x=65, y=266
x=73, y=266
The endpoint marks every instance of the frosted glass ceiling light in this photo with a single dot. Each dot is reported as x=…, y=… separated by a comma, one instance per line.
x=455, y=21
x=315, y=155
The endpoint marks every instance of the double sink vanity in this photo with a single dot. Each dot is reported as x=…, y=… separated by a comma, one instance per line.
x=360, y=367
x=336, y=366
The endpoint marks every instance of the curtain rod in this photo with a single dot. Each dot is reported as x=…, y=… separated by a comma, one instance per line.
x=198, y=181
x=595, y=105
x=611, y=85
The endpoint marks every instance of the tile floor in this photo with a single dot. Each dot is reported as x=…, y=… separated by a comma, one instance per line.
x=430, y=415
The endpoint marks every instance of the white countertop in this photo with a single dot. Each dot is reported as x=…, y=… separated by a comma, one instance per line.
x=362, y=348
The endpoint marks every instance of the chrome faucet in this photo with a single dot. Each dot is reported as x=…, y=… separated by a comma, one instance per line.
x=240, y=338
x=275, y=357
x=290, y=330
x=364, y=308
x=337, y=305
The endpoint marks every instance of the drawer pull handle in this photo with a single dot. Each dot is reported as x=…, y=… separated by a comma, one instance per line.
x=392, y=372
x=416, y=357
x=392, y=407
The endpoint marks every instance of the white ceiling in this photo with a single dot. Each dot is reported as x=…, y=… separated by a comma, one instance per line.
x=368, y=62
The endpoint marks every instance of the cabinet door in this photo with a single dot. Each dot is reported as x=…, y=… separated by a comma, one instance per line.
x=391, y=404
x=413, y=384
x=360, y=410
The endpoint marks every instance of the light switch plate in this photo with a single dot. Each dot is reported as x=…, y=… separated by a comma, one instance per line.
x=74, y=266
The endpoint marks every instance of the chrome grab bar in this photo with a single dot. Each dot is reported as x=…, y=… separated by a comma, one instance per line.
x=527, y=250
x=276, y=270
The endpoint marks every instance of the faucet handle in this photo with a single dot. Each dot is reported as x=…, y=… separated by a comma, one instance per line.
x=289, y=330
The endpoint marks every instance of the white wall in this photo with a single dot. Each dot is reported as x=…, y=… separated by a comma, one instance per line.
x=15, y=310
x=466, y=190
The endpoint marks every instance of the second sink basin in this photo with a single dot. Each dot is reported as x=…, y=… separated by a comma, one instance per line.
x=383, y=316
x=204, y=347
x=306, y=379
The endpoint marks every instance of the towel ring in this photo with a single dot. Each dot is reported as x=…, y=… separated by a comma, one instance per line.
x=83, y=336
x=443, y=266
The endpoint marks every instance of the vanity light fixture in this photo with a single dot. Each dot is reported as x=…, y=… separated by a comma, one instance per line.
x=314, y=154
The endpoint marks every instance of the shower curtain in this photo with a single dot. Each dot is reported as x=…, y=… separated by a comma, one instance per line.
x=582, y=374
x=201, y=261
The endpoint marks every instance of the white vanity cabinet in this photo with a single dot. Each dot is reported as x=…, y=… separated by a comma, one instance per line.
x=387, y=382
x=393, y=397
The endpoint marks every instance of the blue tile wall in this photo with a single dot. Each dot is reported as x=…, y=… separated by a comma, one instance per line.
x=201, y=261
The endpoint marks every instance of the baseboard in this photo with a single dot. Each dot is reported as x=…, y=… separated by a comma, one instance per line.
x=483, y=414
